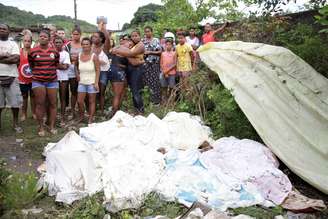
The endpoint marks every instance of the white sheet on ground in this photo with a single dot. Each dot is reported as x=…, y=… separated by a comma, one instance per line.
x=283, y=97
x=120, y=157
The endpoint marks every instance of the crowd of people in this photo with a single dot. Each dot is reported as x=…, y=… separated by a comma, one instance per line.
x=78, y=69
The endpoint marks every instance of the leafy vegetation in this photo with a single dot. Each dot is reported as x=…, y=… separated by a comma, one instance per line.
x=17, y=189
x=20, y=18
x=323, y=18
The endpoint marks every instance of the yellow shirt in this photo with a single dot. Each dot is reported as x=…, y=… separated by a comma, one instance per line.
x=184, y=59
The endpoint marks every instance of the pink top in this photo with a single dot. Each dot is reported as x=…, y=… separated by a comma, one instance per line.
x=168, y=60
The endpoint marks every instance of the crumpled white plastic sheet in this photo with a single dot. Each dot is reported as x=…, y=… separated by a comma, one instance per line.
x=283, y=97
x=236, y=173
x=120, y=157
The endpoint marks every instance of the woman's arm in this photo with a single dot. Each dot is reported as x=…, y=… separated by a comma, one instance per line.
x=76, y=69
x=221, y=29
x=123, y=51
x=97, y=69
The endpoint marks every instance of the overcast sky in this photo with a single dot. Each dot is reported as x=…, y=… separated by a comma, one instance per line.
x=118, y=12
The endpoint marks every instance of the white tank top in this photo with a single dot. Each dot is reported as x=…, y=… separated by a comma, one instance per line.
x=87, y=71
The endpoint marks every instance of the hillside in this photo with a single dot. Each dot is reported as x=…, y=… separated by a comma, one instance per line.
x=20, y=18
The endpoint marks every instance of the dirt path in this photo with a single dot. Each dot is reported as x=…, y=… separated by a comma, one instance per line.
x=17, y=156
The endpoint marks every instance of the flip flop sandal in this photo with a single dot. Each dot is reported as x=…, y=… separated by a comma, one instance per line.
x=18, y=130
x=41, y=133
x=53, y=131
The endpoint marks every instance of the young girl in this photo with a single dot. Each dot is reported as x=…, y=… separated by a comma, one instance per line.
x=25, y=77
x=88, y=76
x=168, y=67
x=62, y=75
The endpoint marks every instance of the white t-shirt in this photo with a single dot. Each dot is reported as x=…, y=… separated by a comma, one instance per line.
x=64, y=58
x=103, y=58
x=8, y=47
x=194, y=41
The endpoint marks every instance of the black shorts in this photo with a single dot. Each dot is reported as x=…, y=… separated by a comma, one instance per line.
x=24, y=88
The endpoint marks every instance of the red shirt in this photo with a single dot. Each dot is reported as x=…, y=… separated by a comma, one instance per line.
x=44, y=64
x=24, y=70
x=208, y=37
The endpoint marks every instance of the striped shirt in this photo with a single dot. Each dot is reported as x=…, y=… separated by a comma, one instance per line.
x=44, y=64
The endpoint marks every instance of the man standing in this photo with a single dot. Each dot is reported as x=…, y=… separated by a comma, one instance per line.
x=10, y=95
x=209, y=35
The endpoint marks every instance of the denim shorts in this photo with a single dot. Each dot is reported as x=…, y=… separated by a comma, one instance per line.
x=117, y=74
x=87, y=88
x=104, y=77
x=167, y=81
x=48, y=85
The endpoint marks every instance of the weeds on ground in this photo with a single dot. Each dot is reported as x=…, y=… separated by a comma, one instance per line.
x=153, y=205
x=259, y=212
x=17, y=190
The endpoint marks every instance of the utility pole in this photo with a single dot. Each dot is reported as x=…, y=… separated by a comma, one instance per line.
x=75, y=13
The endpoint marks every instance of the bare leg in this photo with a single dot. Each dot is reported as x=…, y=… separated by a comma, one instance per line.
x=102, y=97
x=52, y=106
x=15, y=112
x=62, y=95
x=32, y=102
x=40, y=99
x=24, y=107
x=92, y=107
x=118, y=91
x=73, y=87
x=80, y=102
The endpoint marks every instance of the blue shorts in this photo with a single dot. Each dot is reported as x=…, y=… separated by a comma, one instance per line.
x=117, y=74
x=167, y=82
x=104, y=77
x=87, y=88
x=48, y=85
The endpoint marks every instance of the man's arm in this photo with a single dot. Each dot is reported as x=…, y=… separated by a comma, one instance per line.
x=11, y=59
x=220, y=29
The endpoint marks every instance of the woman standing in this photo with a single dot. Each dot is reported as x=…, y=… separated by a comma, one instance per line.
x=98, y=40
x=25, y=77
x=62, y=75
x=74, y=48
x=135, y=68
x=153, y=50
x=44, y=61
x=118, y=74
x=88, y=76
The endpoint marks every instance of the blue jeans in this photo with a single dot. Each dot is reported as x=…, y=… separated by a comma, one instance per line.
x=134, y=76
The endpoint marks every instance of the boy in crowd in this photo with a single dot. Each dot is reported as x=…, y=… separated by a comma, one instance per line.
x=168, y=67
x=185, y=60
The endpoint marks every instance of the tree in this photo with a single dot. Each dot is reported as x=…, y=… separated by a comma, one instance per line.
x=144, y=14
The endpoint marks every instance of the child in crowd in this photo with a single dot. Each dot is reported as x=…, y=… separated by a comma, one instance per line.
x=62, y=75
x=168, y=67
x=25, y=77
x=185, y=60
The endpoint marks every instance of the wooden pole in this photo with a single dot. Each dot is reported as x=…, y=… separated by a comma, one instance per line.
x=75, y=12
